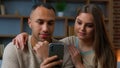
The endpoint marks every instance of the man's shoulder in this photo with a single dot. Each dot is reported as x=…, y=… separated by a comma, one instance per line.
x=10, y=47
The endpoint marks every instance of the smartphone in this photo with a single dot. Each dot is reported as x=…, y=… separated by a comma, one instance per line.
x=56, y=49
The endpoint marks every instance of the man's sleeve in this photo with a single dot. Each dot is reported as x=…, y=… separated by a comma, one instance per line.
x=10, y=57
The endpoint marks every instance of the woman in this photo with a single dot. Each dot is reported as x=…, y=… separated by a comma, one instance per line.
x=91, y=44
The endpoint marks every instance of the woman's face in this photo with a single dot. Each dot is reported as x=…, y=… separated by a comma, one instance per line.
x=84, y=26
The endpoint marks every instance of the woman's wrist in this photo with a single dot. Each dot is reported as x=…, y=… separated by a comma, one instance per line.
x=79, y=65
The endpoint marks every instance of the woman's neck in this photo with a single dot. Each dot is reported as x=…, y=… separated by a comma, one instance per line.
x=85, y=45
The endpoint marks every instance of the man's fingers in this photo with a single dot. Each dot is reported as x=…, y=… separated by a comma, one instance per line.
x=49, y=62
x=52, y=64
x=50, y=59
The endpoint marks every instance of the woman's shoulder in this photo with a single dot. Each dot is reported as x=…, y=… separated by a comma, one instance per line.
x=69, y=40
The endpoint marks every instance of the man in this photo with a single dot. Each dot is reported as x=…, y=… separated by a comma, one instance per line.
x=41, y=22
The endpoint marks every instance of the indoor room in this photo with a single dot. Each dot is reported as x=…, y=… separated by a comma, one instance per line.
x=14, y=15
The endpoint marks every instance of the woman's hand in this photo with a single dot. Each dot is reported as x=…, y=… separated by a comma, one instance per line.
x=76, y=57
x=20, y=40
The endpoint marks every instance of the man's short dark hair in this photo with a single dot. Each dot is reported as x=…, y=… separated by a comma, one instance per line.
x=46, y=5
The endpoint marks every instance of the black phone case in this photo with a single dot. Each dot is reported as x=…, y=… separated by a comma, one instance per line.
x=56, y=49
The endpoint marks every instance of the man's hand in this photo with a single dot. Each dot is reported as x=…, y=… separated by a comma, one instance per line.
x=50, y=63
x=20, y=40
x=41, y=49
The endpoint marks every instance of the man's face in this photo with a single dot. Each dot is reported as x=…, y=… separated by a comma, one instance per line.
x=42, y=21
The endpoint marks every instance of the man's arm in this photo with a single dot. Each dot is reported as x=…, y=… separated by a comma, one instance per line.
x=10, y=57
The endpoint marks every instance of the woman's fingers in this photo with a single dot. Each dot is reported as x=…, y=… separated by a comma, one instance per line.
x=20, y=40
x=72, y=49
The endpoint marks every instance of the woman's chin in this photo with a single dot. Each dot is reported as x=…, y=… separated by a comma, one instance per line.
x=81, y=37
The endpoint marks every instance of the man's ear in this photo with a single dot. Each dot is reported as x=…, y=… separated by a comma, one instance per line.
x=29, y=22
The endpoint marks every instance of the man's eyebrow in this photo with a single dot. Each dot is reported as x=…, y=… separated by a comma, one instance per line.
x=51, y=21
x=40, y=19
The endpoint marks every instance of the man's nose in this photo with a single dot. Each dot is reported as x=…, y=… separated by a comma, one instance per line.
x=45, y=27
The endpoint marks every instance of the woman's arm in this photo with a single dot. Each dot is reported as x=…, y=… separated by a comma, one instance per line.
x=20, y=40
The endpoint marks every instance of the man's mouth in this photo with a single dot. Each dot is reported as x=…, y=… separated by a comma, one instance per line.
x=44, y=35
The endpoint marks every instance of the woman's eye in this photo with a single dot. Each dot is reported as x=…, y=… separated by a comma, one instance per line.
x=90, y=25
x=79, y=22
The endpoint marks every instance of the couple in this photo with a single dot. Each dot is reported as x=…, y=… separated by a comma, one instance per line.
x=90, y=47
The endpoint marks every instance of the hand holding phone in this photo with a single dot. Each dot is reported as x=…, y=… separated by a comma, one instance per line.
x=49, y=63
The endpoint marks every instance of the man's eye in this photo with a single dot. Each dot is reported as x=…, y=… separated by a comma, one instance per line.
x=50, y=23
x=39, y=22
